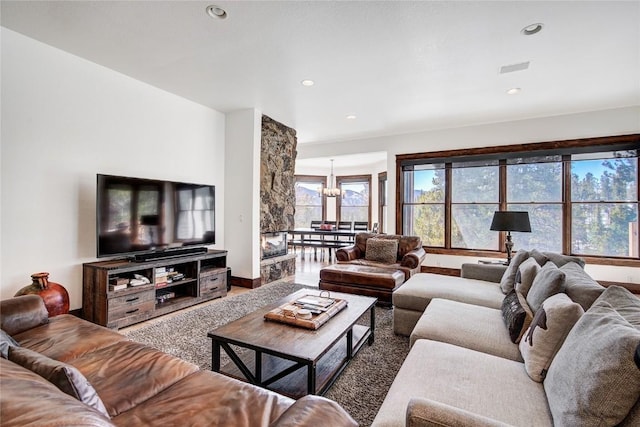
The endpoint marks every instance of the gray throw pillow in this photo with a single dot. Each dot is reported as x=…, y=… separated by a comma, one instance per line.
x=560, y=259
x=67, y=378
x=527, y=273
x=508, y=280
x=549, y=281
x=382, y=250
x=594, y=379
x=580, y=286
x=540, y=258
x=6, y=341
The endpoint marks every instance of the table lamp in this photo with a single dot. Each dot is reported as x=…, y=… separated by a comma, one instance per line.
x=510, y=221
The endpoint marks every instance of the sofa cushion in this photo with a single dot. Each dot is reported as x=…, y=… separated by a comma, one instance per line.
x=128, y=373
x=509, y=277
x=547, y=332
x=549, y=281
x=472, y=326
x=27, y=399
x=67, y=378
x=417, y=292
x=382, y=250
x=516, y=314
x=472, y=381
x=64, y=338
x=594, y=379
x=22, y=313
x=207, y=398
x=6, y=341
x=580, y=287
x=527, y=272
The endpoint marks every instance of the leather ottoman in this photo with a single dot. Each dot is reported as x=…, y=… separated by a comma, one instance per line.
x=362, y=280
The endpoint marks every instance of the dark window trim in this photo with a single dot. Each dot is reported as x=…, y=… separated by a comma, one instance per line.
x=322, y=181
x=562, y=147
x=382, y=200
x=349, y=179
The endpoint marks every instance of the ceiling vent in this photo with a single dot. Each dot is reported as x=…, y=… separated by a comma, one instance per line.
x=514, y=67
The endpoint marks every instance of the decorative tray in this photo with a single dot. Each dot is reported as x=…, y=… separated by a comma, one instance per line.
x=309, y=312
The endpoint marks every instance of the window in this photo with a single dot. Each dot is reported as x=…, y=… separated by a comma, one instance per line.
x=604, y=204
x=423, y=211
x=474, y=199
x=354, y=204
x=382, y=201
x=309, y=200
x=581, y=195
x=535, y=185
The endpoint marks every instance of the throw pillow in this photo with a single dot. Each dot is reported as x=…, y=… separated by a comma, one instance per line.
x=382, y=250
x=527, y=272
x=560, y=259
x=508, y=280
x=540, y=258
x=516, y=315
x=549, y=281
x=593, y=379
x=580, y=287
x=6, y=341
x=547, y=332
x=67, y=378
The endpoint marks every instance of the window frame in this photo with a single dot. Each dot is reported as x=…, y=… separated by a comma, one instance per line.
x=349, y=179
x=321, y=180
x=382, y=200
x=564, y=147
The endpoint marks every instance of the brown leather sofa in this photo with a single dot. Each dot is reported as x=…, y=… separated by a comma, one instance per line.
x=138, y=385
x=359, y=273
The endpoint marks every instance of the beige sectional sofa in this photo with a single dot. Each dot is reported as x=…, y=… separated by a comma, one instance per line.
x=576, y=359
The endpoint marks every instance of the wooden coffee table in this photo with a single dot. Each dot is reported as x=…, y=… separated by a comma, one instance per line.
x=279, y=353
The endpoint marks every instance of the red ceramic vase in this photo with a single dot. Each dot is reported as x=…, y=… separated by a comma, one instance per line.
x=54, y=295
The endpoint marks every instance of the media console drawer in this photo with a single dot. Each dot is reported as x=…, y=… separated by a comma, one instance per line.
x=213, y=282
x=131, y=304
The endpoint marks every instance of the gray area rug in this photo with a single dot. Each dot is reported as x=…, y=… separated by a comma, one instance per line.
x=360, y=389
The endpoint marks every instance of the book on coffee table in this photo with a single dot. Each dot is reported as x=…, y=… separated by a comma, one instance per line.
x=279, y=314
x=318, y=301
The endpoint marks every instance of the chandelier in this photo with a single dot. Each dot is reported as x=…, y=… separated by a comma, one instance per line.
x=332, y=190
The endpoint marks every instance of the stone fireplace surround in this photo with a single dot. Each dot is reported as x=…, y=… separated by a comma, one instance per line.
x=277, y=193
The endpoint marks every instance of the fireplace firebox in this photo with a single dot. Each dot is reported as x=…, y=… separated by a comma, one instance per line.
x=273, y=244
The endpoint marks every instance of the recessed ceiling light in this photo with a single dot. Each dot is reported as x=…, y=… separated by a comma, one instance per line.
x=307, y=82
x=532, y=29
x=216, y=12
x=514, y=91
x=351, y=117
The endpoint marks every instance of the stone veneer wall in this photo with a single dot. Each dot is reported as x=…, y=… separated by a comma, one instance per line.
x=277, y=176
x=277, y=192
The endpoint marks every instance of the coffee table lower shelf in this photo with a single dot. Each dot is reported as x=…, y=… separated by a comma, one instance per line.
x=286, y=374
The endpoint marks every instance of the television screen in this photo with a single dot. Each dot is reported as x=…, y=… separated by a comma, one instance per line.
x=136, y=215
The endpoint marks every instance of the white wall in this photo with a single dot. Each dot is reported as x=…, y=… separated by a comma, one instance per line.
x=242, y=201
x=618, y=121
x=65, y=119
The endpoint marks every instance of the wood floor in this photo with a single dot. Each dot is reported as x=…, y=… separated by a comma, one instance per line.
x=307, y=273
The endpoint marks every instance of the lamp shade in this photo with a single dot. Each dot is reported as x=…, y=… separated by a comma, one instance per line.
x=511, y=221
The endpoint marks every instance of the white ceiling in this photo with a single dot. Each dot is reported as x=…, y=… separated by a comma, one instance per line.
x=398, y=66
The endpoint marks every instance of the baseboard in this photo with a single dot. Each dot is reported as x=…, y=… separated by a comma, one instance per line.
x=245, y=283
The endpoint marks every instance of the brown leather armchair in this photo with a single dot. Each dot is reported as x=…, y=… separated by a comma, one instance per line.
x=409, y=257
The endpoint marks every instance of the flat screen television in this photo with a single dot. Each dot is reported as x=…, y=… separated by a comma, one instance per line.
x=138, y=216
